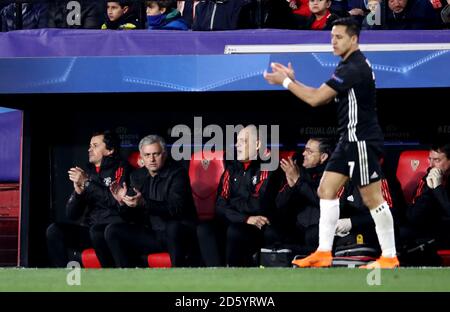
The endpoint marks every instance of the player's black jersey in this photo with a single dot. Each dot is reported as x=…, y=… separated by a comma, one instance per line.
x=354, y=81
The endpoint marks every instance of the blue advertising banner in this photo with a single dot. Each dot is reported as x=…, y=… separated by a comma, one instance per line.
x=243, y=72
x=67, y=61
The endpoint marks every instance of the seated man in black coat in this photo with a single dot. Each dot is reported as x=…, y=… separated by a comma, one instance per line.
x=92, y=201
x=297, y=201
x=160, y=198
x=429, y=214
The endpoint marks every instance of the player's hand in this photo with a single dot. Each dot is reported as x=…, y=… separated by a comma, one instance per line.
x=274, y=77
x=291, y=170
x=434, y=178
x=288, y=71
x=258, y=221
x=279, y=73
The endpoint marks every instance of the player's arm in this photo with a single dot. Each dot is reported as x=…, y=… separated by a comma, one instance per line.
x=312, y=96
x=283, y=75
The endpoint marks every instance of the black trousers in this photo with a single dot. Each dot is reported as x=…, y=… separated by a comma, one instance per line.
x=64, y=239
x=233, y=244
x=440, y=231
x=309, y=236
x=212, y=243
x=302, y=240
x=129, y=242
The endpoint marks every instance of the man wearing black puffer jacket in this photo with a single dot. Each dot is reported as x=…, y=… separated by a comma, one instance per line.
x=298, y=202
x=92, y=201
x=412, y=14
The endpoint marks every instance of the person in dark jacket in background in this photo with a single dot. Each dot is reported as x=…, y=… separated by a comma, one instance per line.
x=187, y=9
x=217, y=14
x=412, y=14
x=92, y=201
x=297, y=201
x=444, y=12
x=429, y=214
x=160, y=198
x=34, y=15
x=81, y=14
x=120, y=16
x=163, y=14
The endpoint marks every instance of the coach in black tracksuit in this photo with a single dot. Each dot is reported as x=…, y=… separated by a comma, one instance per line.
x=429, y=214
x=244, y=209
x=161, y=209
x=91, y=200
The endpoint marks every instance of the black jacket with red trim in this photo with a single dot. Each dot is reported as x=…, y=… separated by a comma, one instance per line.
x=96, y=205
x=429, y=205
x=245, y=192
x=301, y=202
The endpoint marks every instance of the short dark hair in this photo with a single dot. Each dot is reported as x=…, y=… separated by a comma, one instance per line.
x=352, y=26
x=163, y=4
x=111, y=139
x=442, y=148
x=326, y=145
x=122, y=3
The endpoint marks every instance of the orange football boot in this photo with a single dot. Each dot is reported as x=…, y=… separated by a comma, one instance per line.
x=383, y=263
x=318, y=259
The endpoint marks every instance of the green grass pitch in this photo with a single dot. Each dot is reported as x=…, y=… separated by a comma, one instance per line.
x=227, y=280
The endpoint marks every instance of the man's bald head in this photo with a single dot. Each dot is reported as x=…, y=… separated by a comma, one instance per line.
x=247, y=144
